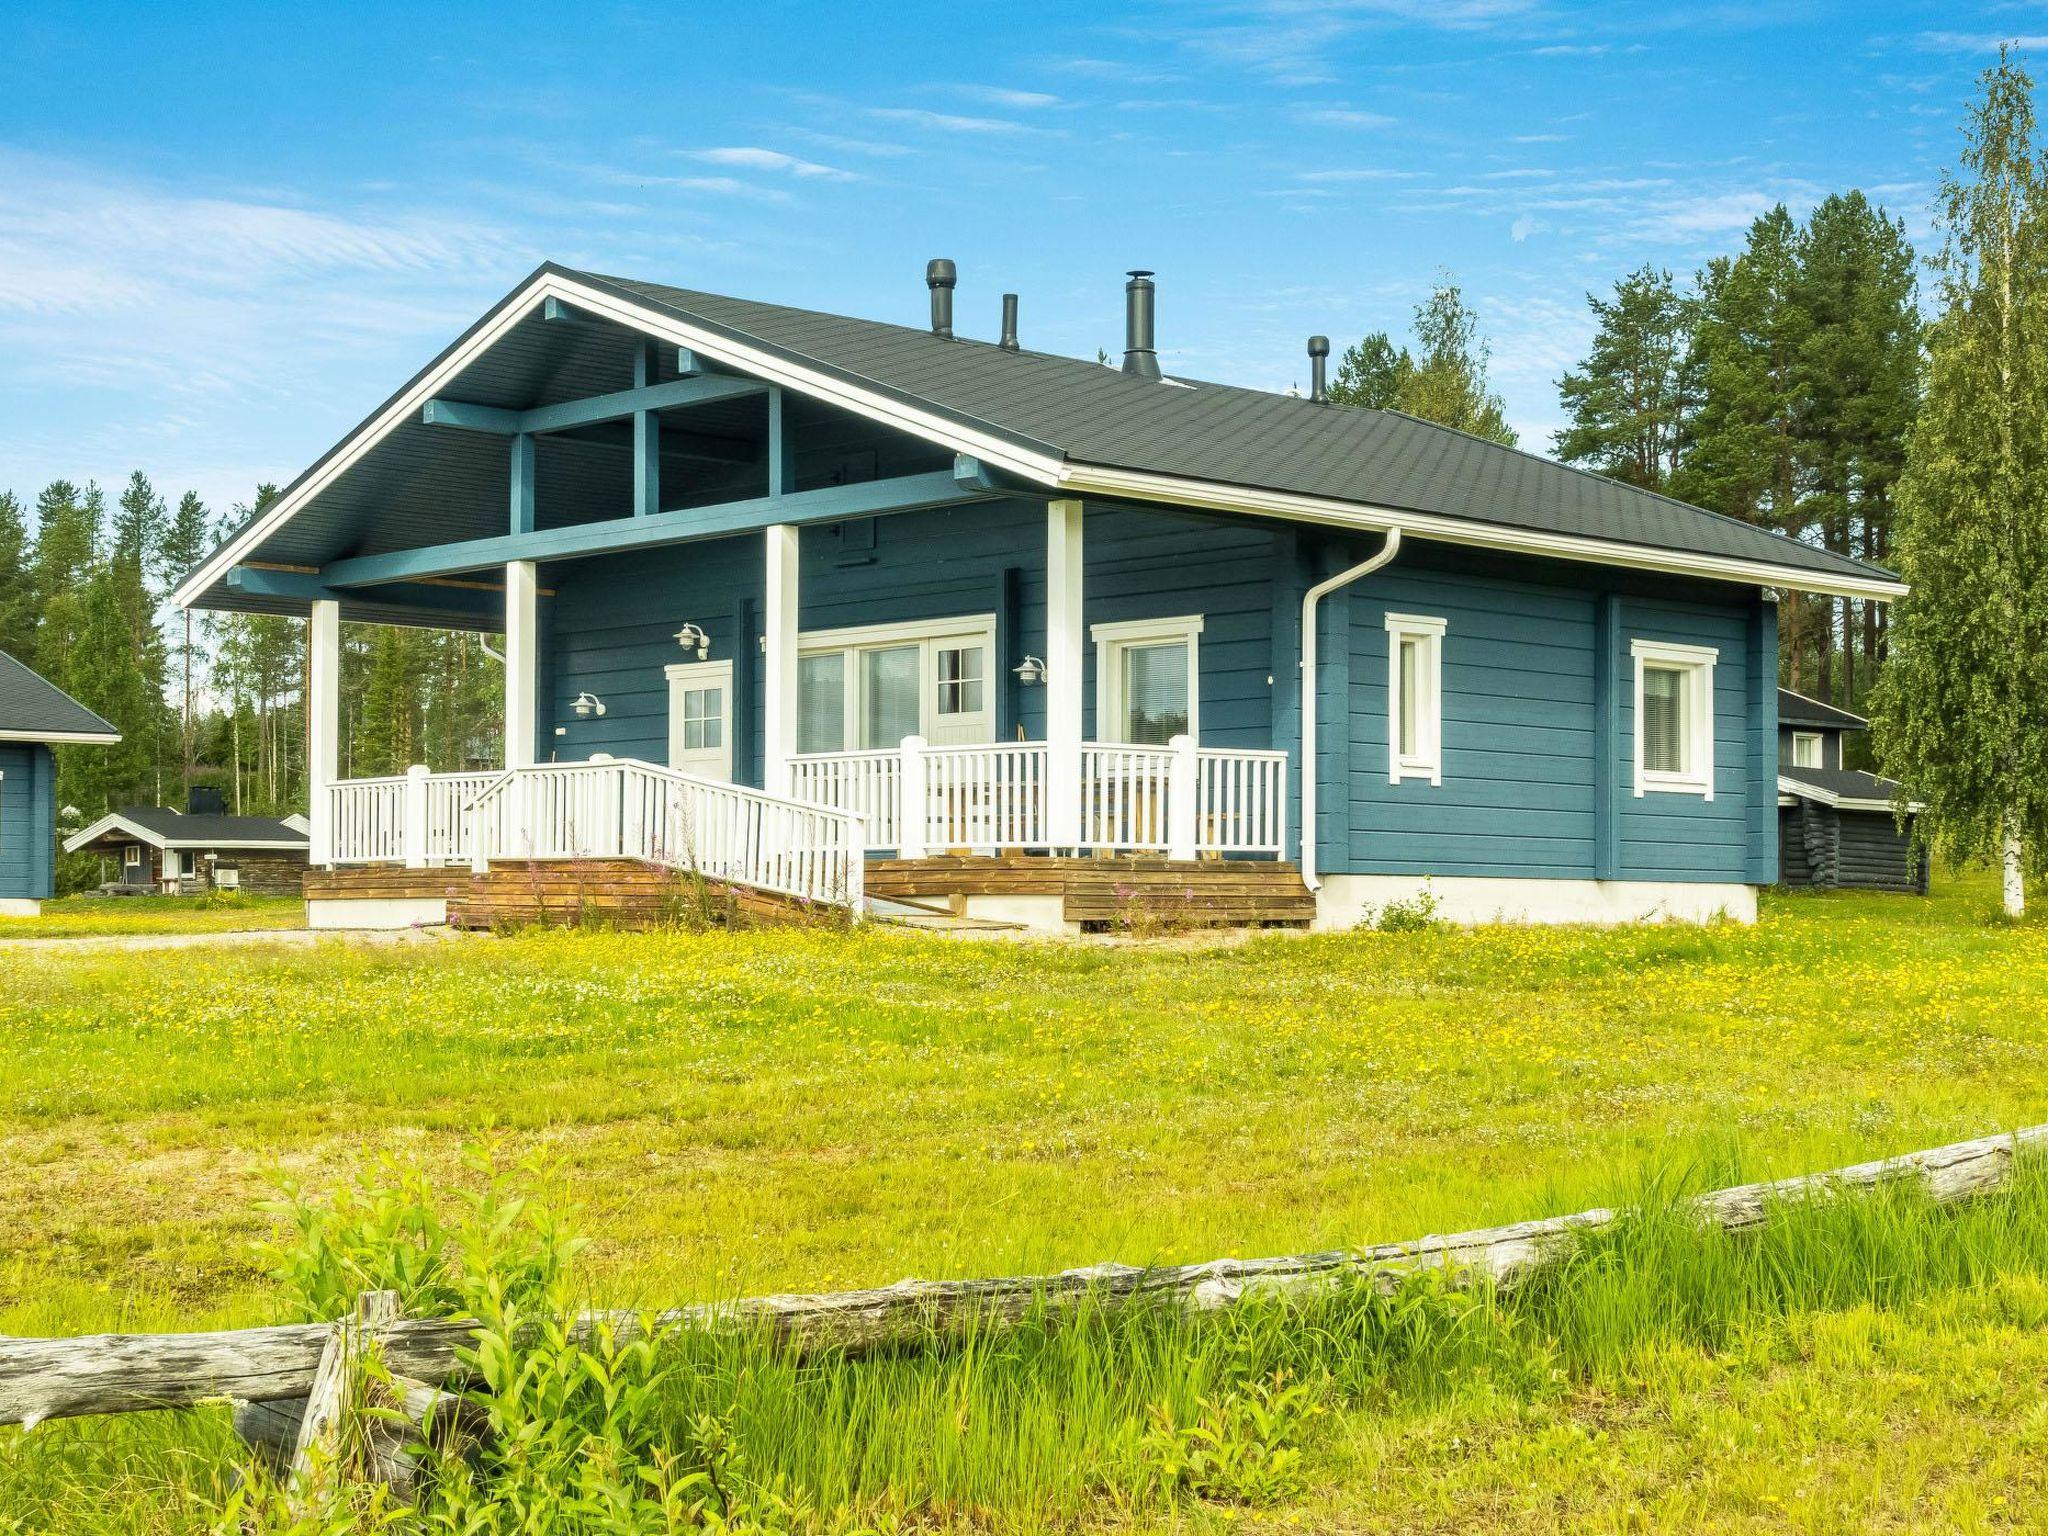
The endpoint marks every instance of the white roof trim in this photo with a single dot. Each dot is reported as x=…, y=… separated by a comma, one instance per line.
x=1045, y=469
x=1798, y=789
x=65, y=738
x=1225, y=497
x=116, y=822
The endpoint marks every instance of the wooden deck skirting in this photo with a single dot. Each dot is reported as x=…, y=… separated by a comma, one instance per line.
x=560, y=893
x=1105, y=891
x=626, y=893
x=126, y=1373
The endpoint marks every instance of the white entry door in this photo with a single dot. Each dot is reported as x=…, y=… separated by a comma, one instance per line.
x=700, y=718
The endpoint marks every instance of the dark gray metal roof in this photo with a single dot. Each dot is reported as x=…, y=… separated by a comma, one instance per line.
x=1096, y=415
x=221, y=831
x=1839, y=783
x=1798, y=709
x=30, y=705
x=423, y=484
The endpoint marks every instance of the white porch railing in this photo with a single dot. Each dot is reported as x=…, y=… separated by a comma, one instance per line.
x=606, y=808
x=1180, y=800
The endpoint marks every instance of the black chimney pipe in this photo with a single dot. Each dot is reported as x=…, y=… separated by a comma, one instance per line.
x=940, y=275
x=1009, y=341
x=1141, y=358
x=1318, y=356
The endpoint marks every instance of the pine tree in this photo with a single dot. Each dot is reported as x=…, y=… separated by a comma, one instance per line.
x=1371, y=373
x=184, y=542
x=1962, y=706
x=17, y=582
x=134, y=556
x=1631, y=403
x=1858, y=392
x=67, y=535
x=389, y=738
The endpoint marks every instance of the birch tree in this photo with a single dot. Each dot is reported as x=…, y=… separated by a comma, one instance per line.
x=1962, y=707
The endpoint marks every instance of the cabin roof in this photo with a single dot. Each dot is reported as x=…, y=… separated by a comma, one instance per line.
x=34, y=709
x=162, y=827
x=1845, y=788
x=1060, y=423
x=1798, y=709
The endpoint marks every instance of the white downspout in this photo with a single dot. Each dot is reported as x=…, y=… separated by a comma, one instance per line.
x=1309, y=600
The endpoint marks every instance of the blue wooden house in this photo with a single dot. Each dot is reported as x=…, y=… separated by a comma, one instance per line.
x=35, y=716
x=838, y=608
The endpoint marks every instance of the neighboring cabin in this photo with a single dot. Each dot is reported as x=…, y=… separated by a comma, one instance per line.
x=159, y=850
x=1022, y=607
x=1836, y=825
x=35, y=717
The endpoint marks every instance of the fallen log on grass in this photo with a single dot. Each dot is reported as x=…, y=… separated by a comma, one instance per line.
x=124, y=1373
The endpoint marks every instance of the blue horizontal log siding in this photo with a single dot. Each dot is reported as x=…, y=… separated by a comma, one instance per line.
x=27, y=829
x=611, y=624
x=1522, y=727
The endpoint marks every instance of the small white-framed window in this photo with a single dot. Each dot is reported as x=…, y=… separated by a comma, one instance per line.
x=1806, y=749
x=1674, y=717
x=1148, y=680
x=1415, y=698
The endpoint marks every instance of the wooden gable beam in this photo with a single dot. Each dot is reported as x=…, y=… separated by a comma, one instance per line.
x=432, y=605
x=869, y=498
x=695, y=389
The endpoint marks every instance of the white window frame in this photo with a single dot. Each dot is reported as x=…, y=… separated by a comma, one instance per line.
x=933, y=636
x=1427, y=760
x=1696, y=663
x=1111, y=640
x=685, y=676
x=1820, y=749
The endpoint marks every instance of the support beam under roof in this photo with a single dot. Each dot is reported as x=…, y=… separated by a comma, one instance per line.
x=869, y=498
x=470, y=606
x=696, y=389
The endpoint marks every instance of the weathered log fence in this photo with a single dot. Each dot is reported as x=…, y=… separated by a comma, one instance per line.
x=293, y=1383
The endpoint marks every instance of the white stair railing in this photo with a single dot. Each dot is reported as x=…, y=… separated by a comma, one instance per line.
x=625, y=808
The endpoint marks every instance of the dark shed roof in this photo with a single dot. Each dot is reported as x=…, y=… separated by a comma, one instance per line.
x=37, y=710
x=1832, y=784
x=181, y=828
x=1798, y=709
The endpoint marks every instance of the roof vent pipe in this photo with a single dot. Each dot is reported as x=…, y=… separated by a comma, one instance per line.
x=1318, y=358
x=1141, y=358
x=1009, y=341
x=940, y=275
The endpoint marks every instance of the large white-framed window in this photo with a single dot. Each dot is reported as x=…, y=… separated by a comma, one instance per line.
x=1806, y=749
x=1674, y=712
x=1415, y=698
x=1148, y=679
x=869, y=687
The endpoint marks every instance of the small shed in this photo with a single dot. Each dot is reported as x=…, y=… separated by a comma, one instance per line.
x=35, y=717
x=162, y=850
x=1838, y=826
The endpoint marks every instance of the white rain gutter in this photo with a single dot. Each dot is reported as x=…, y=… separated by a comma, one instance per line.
x=1309, y=600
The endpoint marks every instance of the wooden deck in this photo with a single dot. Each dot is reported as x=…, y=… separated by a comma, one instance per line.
x=1143, y=894
x=1111, y=893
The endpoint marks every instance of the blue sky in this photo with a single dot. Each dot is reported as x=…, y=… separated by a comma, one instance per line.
x=227, y=232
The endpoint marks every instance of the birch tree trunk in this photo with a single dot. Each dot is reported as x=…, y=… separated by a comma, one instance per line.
x=2015, y=884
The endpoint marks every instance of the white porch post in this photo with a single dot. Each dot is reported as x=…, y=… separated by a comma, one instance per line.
x=522, y=659
x=914, y=799
x=413, y=828
x=1183, y=787
x=778, y=680
x=323, y=725
x=1063, y=667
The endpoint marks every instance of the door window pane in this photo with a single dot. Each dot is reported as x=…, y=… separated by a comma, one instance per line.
x=889, y=694
x=703, y=719
x=1664, y=720
x=821, y=702
x=1155, y=684
x=960, y=679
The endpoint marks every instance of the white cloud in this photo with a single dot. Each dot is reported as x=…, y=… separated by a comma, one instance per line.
x=1343, y=117
x=1540, y=138
x=949, y=122
x=1525, y=173
x=752, y=158
x=1979, y=42
x=1005, y=96
x=1525, y=226
x=1359, y=173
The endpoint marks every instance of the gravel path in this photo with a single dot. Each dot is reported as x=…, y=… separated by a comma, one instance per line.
x=121, y=941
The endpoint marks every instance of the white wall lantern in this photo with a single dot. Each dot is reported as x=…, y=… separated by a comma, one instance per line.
x=587, y=704
x=1031, y=672
x=691, y=637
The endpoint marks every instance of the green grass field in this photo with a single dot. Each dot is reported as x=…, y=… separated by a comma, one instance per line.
x=738, y=1113
x=73, y=917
